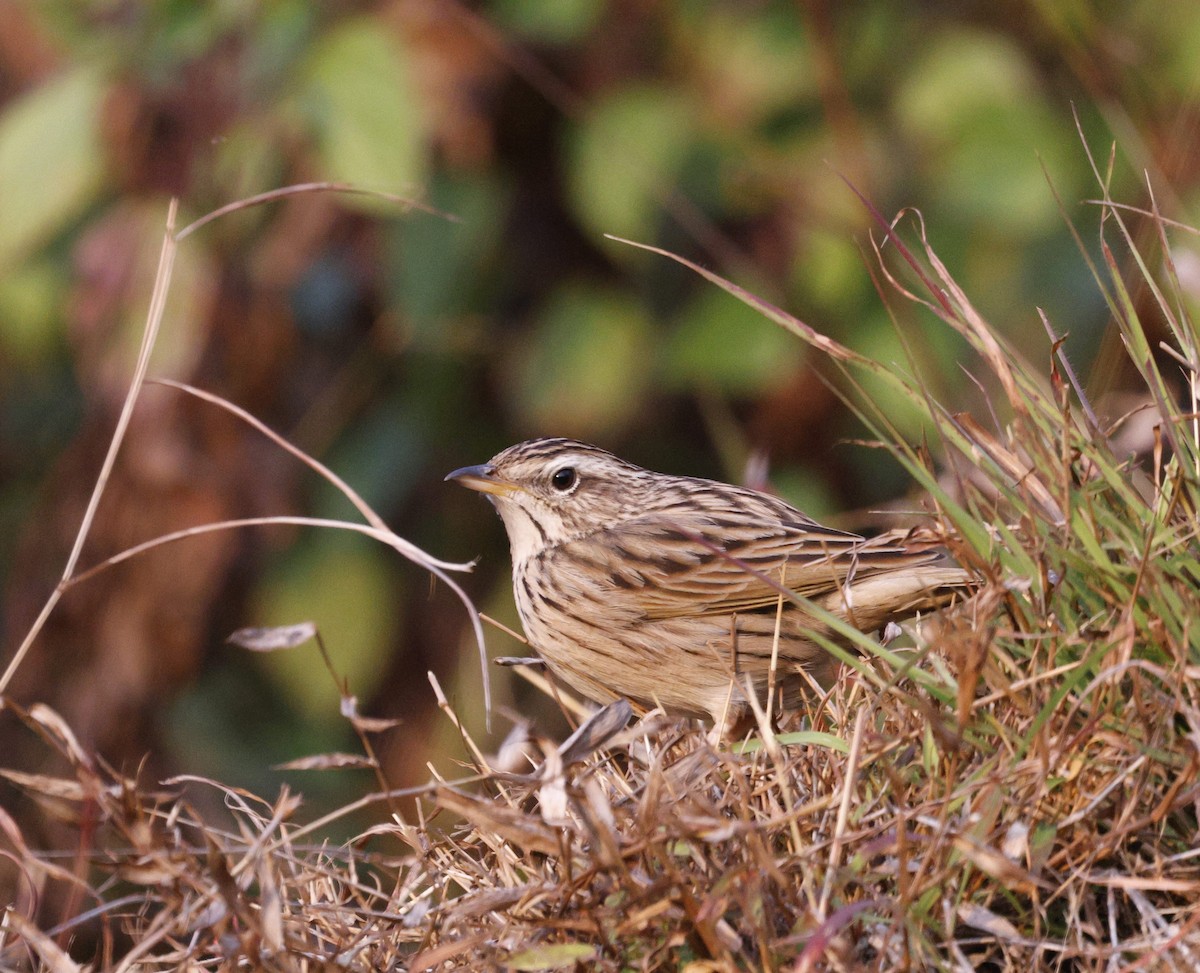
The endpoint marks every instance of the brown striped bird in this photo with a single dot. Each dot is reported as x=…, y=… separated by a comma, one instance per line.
x=666, y=590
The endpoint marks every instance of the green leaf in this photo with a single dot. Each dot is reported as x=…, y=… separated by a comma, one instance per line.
x=347, y=586
x=560, y=22
x=903, y=407
x=364, y=109
x=626, y=157
x=831, y=272
x=973, y=101
x=724, y=344
x=430, y=258
x=51, y=161
x=553, y=957
x=801, y=738
x=30, y=298
x=753, y=61
x=589, y=362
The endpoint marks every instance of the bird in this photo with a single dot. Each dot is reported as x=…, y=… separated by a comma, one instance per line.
x=666, y=590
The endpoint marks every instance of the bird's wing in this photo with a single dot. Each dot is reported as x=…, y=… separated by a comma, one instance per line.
x=687, y=562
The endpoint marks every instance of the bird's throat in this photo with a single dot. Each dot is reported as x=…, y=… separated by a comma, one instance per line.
x=526, y=537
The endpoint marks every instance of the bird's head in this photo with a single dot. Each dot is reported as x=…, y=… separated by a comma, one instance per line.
x=549, y=491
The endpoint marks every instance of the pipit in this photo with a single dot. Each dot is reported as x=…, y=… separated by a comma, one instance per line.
x=666, y=590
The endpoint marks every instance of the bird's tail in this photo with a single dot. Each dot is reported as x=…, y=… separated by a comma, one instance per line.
x=871, y=602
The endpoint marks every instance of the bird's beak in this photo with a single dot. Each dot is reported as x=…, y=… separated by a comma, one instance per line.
x=482, y=478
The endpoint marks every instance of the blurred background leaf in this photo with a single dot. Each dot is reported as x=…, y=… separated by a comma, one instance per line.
x=51, y=159
x=364, y=109
x=587, y=364
x=630, y=146
x=336, y=581
x=721, y=343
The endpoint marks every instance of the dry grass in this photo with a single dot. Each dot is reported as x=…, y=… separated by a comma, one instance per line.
x=1018, y=790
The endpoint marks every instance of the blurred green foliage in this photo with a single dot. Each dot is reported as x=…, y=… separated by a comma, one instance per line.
x=363, y=109
x=49, y=140
x=398, y=345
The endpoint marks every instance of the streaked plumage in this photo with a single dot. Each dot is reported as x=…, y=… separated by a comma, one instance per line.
x=633, y=583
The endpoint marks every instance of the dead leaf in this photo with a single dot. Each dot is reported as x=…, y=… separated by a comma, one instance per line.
x=55, y=960
x=274, y=638
x=595, y=732
x=326, y=761
x=510, y=824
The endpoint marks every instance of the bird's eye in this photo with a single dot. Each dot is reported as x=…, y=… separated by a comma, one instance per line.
x=563, y=479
